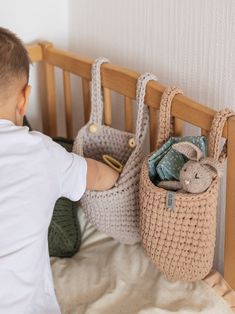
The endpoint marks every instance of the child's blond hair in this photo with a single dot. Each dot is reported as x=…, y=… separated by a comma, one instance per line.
x=14, y=59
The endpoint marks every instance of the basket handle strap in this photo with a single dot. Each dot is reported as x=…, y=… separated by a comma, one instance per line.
x=216, y=134
x=166, y=122
x=142, y=109
x=97, y=106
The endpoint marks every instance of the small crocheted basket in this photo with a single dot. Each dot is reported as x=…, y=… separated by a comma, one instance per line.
x=177, y=229
x=115, y=211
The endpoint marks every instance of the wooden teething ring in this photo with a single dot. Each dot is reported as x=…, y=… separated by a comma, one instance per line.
x=113, y=163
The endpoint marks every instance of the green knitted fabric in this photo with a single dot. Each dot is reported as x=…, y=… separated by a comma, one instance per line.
x=64, y=234
x=66, y=143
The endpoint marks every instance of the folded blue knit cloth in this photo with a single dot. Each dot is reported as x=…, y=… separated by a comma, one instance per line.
x=166, y=163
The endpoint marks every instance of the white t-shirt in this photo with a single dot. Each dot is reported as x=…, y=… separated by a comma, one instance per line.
x=34, y=173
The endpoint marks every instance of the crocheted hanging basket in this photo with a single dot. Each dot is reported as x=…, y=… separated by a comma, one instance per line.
x=179, y=237
x=115, y=211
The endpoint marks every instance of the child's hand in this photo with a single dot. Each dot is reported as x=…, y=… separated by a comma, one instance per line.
x=112, y=176
x=100, y=177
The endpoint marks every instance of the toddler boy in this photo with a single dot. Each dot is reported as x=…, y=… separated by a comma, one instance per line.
x=34, y=173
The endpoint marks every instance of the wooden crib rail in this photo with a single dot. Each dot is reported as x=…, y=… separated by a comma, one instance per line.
x=123, y=81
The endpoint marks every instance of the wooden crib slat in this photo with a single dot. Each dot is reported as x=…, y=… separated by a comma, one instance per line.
x=128, y=107
x=107, y=107
x=229, y=244
x=153, y=127
x=86, y=99
x=51, y=100
x=178, y=131
x=49, y=113
x=68, y=104
x=204, y=132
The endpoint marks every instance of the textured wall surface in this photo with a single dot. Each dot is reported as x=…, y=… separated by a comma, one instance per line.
x=34, y=21
x=188, y=43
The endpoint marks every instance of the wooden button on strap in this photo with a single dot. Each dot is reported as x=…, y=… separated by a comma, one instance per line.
x=93, y=128
x=132, y=142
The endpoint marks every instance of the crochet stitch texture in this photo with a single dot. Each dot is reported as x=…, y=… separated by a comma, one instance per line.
x=115, y=211
x=180, y=241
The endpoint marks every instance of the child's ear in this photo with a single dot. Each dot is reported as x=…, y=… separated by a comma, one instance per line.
x=23, y=103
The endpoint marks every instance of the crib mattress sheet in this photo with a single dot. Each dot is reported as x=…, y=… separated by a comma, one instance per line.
x=106, y=277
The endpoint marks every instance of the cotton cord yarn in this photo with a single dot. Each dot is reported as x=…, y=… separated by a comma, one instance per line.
x=178, y=229
x=115, y=211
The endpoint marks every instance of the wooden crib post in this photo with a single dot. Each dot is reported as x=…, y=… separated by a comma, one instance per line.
x=178, y=131
x=35, y=52
x=86, y=98
x=49, y=115
x=153, y=127
x=204, y=133
x=229, y=244
x=128, y=114
x=68, y=104
x=107, y=107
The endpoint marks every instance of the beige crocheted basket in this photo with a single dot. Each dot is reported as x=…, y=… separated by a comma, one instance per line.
x=116, y=211
x=180, y=241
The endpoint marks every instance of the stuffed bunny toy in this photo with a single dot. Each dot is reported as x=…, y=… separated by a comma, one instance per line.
x=197, y=174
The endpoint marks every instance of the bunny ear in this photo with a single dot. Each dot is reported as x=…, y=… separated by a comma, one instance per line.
x=214, y=166
x=190, y=150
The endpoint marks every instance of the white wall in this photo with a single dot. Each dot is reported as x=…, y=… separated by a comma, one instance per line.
x=188, y=43
x=33, y=21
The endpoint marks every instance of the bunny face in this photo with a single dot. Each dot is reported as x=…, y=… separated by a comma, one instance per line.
x=195, y=177
x=197, y=174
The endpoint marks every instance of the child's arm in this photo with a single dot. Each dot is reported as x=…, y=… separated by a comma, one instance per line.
x=100, y=176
